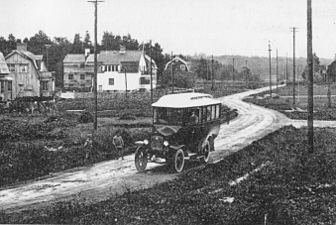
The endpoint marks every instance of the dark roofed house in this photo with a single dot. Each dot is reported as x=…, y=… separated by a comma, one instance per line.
x=179, y=65
x=29, y=74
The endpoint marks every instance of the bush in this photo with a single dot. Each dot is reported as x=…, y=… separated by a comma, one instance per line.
x=85, y=117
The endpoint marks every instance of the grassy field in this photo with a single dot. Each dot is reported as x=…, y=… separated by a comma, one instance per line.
x=139, y=103
x=284, y=184
x=285, y=105
x=302, y=89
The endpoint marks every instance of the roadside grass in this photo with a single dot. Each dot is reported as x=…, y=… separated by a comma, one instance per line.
x=293, y=187
x=299, y=110
x=301, y=89
x=33, y=148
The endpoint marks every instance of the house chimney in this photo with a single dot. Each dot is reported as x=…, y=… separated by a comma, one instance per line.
x=21, y=46
x=122, y=49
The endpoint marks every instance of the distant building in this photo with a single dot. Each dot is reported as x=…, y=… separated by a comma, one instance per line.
x=331, y=72
x=78, y=75
x=124, y=69
x=29, y=74
x=179, y=65
x=5, y=81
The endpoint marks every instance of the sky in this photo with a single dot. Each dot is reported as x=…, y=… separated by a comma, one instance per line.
x=218, y=27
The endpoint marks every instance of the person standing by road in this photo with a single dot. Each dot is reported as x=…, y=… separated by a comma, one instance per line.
x=119, y=144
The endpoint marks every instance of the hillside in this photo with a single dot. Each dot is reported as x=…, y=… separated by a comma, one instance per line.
x=260, y=65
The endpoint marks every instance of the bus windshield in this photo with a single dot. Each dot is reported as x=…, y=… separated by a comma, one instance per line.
x=168, y=116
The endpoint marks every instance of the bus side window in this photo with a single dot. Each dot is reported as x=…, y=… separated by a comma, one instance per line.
x=217, y=111
x=204, y=114
x=213, y=112
x=208, y=109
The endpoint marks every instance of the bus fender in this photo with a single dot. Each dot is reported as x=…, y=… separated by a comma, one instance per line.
x=176, y=147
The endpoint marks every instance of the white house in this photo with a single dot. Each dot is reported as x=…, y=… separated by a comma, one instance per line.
x=124, y=70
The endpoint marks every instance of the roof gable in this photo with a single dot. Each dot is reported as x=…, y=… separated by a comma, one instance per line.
x=74, y=58
x=26, y=54
x=187, y=64
x=115, y=57
x=3, y=65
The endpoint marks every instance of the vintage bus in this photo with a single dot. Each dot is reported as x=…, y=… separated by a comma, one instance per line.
x=185, y=126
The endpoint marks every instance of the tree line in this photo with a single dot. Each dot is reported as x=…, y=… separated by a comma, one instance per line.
x=55, y=49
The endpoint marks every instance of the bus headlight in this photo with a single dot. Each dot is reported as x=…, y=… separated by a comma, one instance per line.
x=166, y=143
x=146, y=142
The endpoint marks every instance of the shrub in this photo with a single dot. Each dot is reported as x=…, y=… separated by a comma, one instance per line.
x=85, y=117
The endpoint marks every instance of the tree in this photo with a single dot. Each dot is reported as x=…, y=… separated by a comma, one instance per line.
x=317, y=75
x=181, y=79
x=58, y=50
x=130, y=43
x=77, y=45
x=37, y=43
x=110, y=42
x=87, y=41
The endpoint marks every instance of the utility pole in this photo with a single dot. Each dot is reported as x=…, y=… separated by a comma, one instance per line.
x=151, y=72
x=286, y=67
x=294, y=30
x=95, y=124
x=172, y=72
x=125, y=69
x=233, y=75
x=270, y=67
x=212, y=74
x=246, y=70
x=277, y=70
x=310, y=77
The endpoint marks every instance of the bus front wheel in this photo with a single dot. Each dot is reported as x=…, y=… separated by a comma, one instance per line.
x=140, y=159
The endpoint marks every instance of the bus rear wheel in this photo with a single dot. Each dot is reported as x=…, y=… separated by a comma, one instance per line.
x=206, y=152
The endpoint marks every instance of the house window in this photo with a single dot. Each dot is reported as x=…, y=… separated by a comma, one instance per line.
x=10, y=86
x=44, y=85
x=111, y=81
x=144, y=80
x=23, y=68
x=82, y=76
x=71, y=76
x=11, y=67
x=182, y=67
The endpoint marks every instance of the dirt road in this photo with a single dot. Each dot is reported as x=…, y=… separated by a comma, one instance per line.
x=107, y=179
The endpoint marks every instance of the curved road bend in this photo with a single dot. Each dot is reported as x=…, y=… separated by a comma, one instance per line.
x=106, y=179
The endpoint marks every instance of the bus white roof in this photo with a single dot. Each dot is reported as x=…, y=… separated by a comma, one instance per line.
x=185, y=100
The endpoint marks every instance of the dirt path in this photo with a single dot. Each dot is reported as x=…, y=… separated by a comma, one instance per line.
x=107, y=179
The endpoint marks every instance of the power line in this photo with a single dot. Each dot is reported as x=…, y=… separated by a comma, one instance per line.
x=95, y=124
